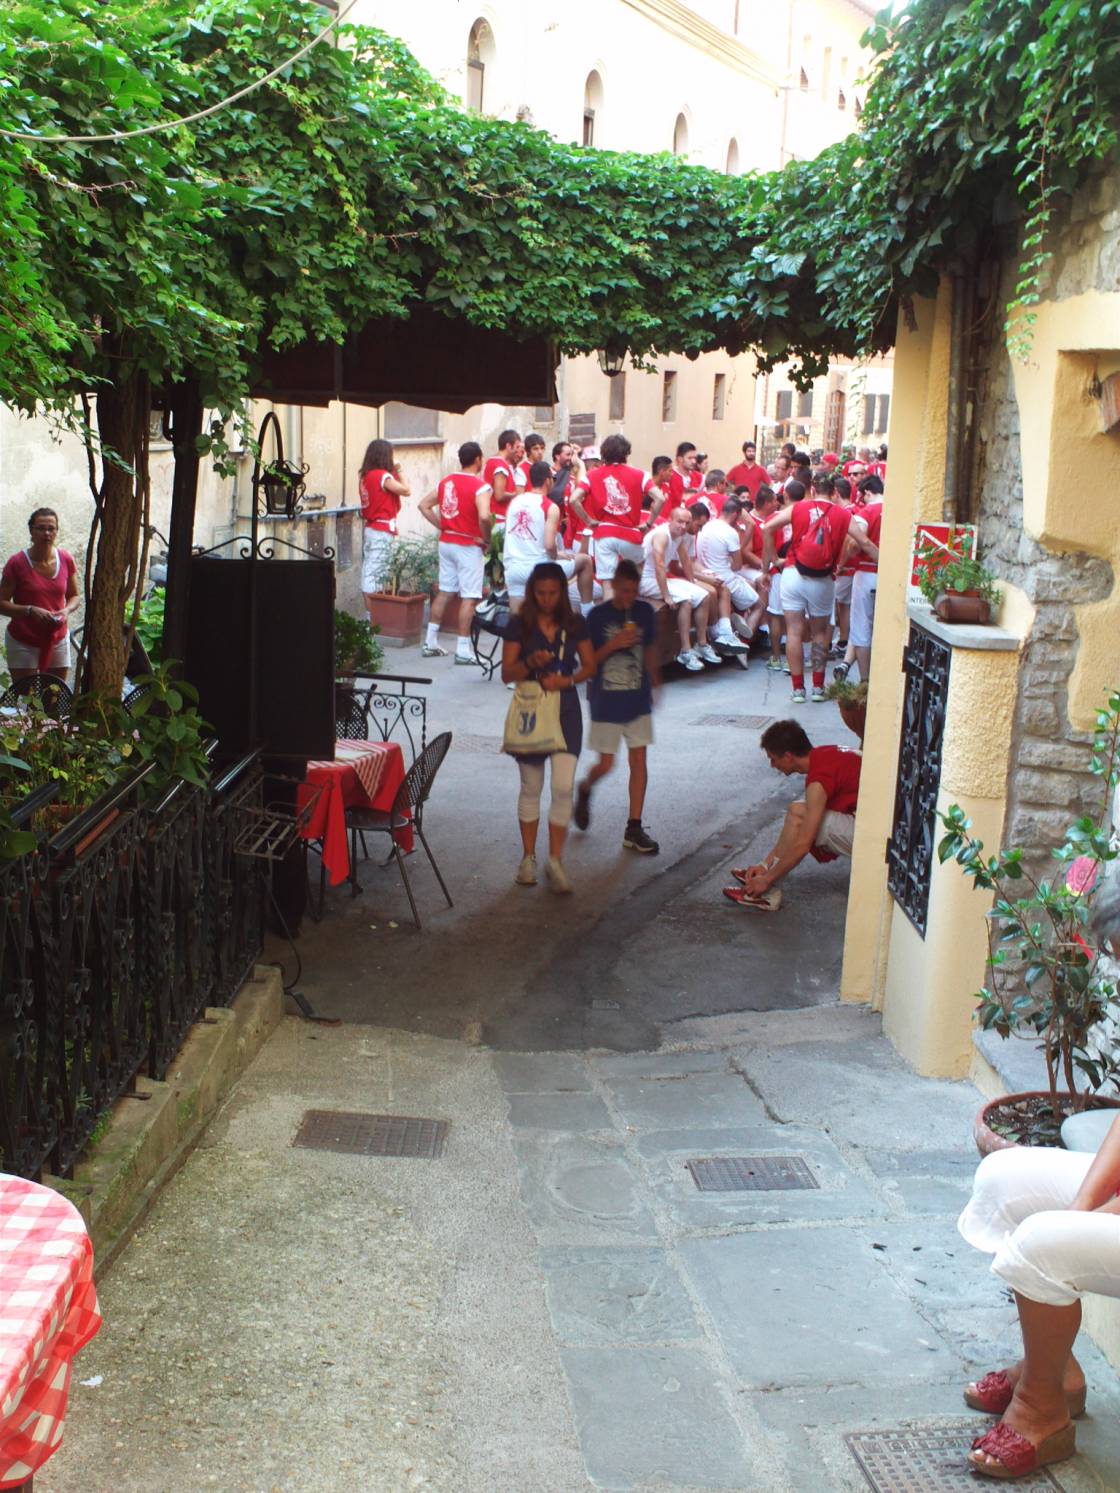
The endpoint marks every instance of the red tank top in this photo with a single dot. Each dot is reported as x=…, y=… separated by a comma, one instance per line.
x=379, y=507
x=458, y=508
x=615, y=499
x=872, y=516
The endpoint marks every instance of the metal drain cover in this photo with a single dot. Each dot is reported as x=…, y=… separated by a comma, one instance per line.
x=928, y=1460
x=478, y=745
x=742, y=722
x=358, y=1134
x=751, y=1174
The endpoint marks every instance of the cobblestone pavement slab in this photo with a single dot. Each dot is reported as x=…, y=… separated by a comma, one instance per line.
x=553, y=1305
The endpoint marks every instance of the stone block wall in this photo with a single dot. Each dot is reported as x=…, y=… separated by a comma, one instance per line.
x=1050, y=783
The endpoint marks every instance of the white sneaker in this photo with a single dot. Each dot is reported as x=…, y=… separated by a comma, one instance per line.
x=527, y=871
x=433, y=650
x=557, y=876
x=729, y=640
x=797, y=697
x=818, y=695
x=688, y=660
x=708, y=654
x=739, y=626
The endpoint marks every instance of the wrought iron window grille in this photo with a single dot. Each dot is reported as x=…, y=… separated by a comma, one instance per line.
x=910, y=848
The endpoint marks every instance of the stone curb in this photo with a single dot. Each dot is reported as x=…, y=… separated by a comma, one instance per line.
x=149, y=1138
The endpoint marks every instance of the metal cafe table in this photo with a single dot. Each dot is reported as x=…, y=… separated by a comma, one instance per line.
x=48, y=1311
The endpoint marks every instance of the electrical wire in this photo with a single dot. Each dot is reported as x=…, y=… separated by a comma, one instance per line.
x=174, y=124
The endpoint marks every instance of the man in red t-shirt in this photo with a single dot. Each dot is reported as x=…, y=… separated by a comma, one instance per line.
x=460, y=509
x=808, y=589
x=608, y=501
x=684, y=479
x=822, y=824
x=500, y=474
x=748, y=473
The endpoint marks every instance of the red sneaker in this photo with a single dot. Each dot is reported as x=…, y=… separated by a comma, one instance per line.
x=764, y=902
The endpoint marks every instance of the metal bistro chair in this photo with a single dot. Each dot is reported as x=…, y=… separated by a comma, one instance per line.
x=407, y=809
x=51, y=693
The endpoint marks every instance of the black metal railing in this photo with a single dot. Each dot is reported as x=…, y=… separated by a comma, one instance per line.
x=384, y=703
x=910, y=847
x=115, y=934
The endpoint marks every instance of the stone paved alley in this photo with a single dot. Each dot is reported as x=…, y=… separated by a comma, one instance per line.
x=553, y=1305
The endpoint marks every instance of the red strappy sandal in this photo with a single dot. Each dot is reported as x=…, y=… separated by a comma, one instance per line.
x=1015, y=1455
x=993, y=1394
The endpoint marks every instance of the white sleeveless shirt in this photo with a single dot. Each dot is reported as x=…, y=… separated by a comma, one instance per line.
x=525, y=524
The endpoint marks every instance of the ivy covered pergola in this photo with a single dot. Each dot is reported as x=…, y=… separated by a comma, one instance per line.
x=350, y=192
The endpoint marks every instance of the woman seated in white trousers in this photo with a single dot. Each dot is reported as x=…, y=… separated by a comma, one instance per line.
x=1052, y=1220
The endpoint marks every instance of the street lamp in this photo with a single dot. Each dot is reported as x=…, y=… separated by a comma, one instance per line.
x=280, y=481
x=612, y=361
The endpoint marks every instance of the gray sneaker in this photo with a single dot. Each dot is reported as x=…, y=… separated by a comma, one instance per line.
x=527, y=871
x=433, y=650
x=468, y=660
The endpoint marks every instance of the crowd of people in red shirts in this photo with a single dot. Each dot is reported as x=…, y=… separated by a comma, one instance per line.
x=789, y=551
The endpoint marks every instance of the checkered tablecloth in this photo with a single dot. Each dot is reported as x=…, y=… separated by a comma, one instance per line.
x=369, y=760
x=48, y=1310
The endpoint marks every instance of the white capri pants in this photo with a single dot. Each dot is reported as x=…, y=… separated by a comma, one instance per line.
x=532, y=787
x=864, y=590
x=1019, y=1213
x=376, y=545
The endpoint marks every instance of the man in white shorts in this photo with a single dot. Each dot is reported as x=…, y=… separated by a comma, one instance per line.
x=460, y=509
x=532, y=534
x=807, y=585
x=662, y=545
x=822, y=824
x=719, y=551
x=608, y=501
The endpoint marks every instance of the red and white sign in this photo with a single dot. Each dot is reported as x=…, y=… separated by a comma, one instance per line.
x=952, y=540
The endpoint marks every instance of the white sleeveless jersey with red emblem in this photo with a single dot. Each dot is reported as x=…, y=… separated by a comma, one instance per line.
x=525, y=524
x=615, y=498
x=458, y=508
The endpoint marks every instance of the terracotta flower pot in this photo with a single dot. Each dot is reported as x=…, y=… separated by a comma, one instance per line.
x=854, y=715
x=398, y=617
x=962, y=606
x=988, y=1140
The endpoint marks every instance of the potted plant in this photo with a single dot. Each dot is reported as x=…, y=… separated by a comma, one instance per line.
x=956, y=585
x=356, y=651
x=1048, y=972
x=852, y=700
x=411, y=568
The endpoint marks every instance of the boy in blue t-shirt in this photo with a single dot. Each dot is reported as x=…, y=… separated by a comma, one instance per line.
x=623, y=634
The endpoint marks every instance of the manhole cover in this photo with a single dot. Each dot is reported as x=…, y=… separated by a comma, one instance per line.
x=464, y=742
x=927, y=1460
x=741, y=722
x=751, y=1174
x=371, y=1135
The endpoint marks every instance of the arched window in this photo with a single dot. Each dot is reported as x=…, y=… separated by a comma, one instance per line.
x=732, y=167
x=480, y=55
x=592, y=106
x=841, y=101
x=858, y=109
x=803, y=81
x=680, y=136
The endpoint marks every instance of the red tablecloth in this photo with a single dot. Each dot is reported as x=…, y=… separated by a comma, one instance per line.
x=364, y=774
x=48, y=1310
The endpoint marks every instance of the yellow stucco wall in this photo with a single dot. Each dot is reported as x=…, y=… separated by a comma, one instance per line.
x=1071, y=471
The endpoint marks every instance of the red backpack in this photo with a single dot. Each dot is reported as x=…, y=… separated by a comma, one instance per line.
x=815, y=554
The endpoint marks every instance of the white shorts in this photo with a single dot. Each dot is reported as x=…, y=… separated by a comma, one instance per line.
x=608, y=552
x=843, y=590
x=774, y=604
x=743, y=594
x=26, y=655
x=836, y=832
x=865, y=583
x=752, y=577
x=682, y=592
x=460, y=570
x=517, y=573
x=605, y=737
x=807, y=594
x=375, y=559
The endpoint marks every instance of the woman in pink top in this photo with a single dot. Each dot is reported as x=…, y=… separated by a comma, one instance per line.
x=39, y=591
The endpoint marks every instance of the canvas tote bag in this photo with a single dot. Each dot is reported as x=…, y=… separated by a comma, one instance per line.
x=533, y=720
